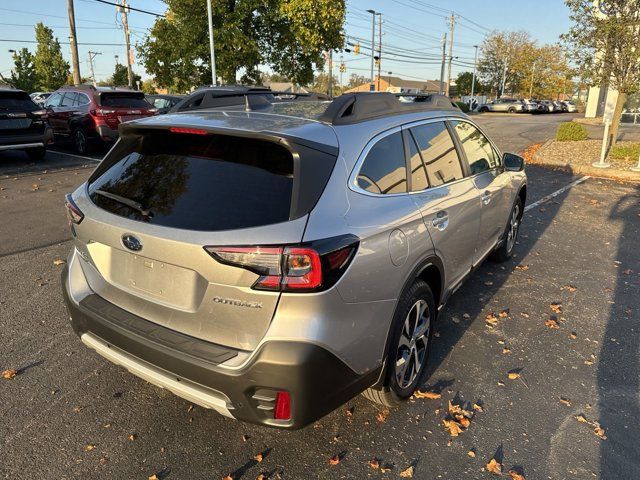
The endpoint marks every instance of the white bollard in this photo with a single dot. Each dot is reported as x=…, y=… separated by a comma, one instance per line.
x=637, y=167
x=605, y=144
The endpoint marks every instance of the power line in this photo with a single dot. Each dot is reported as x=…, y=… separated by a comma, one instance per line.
x=65, y=43
x=130, y=8
x=39, y=14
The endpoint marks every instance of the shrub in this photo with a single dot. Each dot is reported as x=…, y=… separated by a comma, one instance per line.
x=463, y=106
x=629, y=151
x=569, y=131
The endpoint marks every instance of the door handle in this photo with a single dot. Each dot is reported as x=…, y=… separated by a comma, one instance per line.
x=486, y=198
x=441, y=221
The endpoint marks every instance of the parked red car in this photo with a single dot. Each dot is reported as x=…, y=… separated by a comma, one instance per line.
x=90, y=116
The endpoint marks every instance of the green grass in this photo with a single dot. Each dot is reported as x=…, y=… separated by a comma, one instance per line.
x=571, y=131
x=630, y=151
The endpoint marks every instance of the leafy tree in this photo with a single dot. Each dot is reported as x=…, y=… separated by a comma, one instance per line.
x=51, y=68
x=548, y=74
x=120, y=77
x=149, y=87
x=356, y=80
x=287, y=35
x=604, y=44
x=23, y=75
x=464, y=82
x=321, y=84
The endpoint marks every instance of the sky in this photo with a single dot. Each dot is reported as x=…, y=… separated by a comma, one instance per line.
x=412, y=30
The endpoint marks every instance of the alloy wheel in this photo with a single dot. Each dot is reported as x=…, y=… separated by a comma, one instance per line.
x=514, y=223
x=412, y=347
x=80, y=141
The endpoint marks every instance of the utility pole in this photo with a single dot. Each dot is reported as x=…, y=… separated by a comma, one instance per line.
x=504, y=78
x=379, y=48
x=533, y=69
x=330, y=79
x=473, y=80
x=444, y=60
x=74, y=44
x=341, y=68
x=373, y=40
x=452, y=24
x=124, y=10
x=214, y=81
x=92, y=55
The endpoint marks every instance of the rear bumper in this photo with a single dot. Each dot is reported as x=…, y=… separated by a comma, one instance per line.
x=317, y=380
x=106, y=133
x=26, y=141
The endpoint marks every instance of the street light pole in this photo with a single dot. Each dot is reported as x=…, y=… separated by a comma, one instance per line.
x=473, y=80
x=373, y=38
x=533, y=69
x=504, y=78
x=92, y=55
x=211, y=44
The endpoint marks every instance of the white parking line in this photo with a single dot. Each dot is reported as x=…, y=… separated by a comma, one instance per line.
x=546, y=198
x=74, y=155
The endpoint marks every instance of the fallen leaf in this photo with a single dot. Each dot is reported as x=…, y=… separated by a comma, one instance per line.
x=515, y=475
x=506, y=350
x=628, y=271
x=261, y=477
x=335, y=460
x=494, y=467
x=570, y=288
x=89, y=446
x=522, y=267
x=524, y=314
x=9, y=373
x=478, y=408
x=385, y=468
x=565, y=401
x=491, y=320
x=349, y=411
x=59, y=262
x=245, y=438
x=132, y=437
x=513, y=375
x=500, y=383
x=374, y=464
x=556, y=307
x=103, y=460
x=581, y=418
x=429, y=395
x=471, y=453
x=464, y=421
x=407, y=472
x=504, y=313
x=488, y=283
x=573, y=335
x=258, y=457
x=155, y=477
x=599, y=431
x=382, y=416
x=228, y=477
x=453, y=427
x=552, y=323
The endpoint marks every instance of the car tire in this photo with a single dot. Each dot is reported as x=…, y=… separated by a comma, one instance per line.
x=36, y=153
x=483, y=109
x=409, y=338
x=80, y=141
x=512, y=110
x=510, y=236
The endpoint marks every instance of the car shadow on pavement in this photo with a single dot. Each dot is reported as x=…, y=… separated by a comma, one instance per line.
x=619, y=362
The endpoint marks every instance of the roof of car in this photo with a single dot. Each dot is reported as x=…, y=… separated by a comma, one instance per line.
x=9, y=88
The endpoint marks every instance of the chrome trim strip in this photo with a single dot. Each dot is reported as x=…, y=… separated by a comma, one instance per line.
x=191, y=391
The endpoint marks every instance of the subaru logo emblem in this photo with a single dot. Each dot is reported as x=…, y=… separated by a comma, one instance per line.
x=131, y=242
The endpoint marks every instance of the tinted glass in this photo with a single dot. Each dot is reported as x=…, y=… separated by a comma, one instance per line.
x=68, y=99
x=418, y=173
x=53, y=100
x=161, y=103
x=16, y=102
x=199, y=182
x=123, y=100
x=82, y=99
x=385, y=170
x=438, y=153
x=193, y=103
x=480, y=154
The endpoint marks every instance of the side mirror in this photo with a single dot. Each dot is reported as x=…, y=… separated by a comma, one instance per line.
x=513, y=162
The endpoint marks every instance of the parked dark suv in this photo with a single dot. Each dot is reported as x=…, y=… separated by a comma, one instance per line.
x=23, y=124
x=90, y=116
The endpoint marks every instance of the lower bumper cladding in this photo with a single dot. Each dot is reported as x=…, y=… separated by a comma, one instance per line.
x=284, y=384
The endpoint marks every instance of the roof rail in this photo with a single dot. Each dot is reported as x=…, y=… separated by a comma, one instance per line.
x=356, y=107
x=84, y=86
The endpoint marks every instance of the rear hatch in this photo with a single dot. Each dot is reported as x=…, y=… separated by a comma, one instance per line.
x=123, y=106
x=162, y=195
x=19, y=117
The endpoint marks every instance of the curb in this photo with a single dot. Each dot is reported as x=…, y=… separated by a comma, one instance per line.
x=611, y=173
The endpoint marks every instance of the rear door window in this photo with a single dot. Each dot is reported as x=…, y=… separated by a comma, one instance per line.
x=197, y=182
x=123, y=100
x=438, y=153
x=479, y=151
x=69, y=99
x=16, y=102
x=53, y=100
x=384, y=170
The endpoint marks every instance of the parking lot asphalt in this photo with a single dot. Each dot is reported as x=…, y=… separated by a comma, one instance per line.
x=69, y=414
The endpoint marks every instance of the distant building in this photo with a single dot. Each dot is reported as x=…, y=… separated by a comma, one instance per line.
x=284, y=87
x=389, y=83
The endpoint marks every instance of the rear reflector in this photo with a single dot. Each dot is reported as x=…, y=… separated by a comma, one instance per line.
x=192, y=131
x=283, y=406
x=73, y=212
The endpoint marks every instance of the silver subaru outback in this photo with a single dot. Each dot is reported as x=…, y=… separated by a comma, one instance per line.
x=272, y=261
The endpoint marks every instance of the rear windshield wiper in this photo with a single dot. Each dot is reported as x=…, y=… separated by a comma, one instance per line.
x=126, y=201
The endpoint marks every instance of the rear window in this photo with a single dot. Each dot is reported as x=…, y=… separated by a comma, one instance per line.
x=123, y=100
x=16, y=102
x=197, y=182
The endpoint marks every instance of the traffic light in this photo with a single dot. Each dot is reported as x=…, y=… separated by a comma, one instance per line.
x=356, y=48
x=343, y=67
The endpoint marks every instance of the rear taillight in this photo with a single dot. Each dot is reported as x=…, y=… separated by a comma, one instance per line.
x=301, y=268
x=40, y=113
x=101, y=112
x=74, y=214
x=282, y=410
